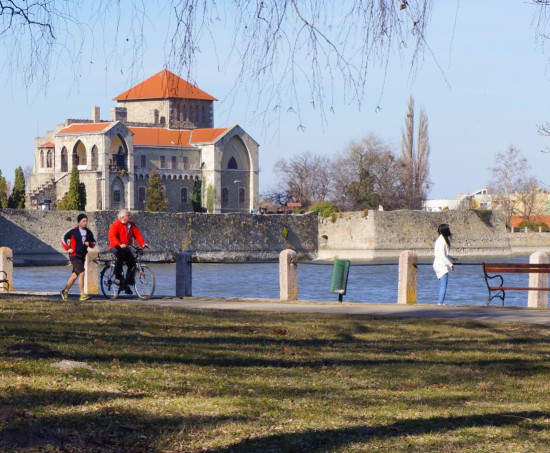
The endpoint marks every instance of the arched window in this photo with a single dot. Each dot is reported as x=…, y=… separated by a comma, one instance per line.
x=121, y=159
x=225, y=195
x=241, y=194
x=141, y=195
x=183, y=195
x=49, y=159
x=94, y=158
x=75, y=158
x=232, y=164
x=41, y=158
x=64, y=160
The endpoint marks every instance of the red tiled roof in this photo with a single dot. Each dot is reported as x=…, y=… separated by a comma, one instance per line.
x=206, y=135
x=84, y=128
x=164, y=85
x=47, y=145
x=154, y=136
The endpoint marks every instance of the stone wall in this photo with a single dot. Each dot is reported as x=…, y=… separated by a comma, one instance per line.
x=35, y=235
x=383, y=235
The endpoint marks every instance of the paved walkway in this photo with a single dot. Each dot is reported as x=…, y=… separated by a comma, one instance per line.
x=472, y=313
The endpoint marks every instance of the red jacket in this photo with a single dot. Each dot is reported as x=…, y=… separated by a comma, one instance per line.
x=120, y=233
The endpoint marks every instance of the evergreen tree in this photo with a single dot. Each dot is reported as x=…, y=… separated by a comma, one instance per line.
x=155, y=197
x=196, y=196
x=72, y=201
x=210, y=198
x=82, y=196
x=3, y=191
x=17, y=198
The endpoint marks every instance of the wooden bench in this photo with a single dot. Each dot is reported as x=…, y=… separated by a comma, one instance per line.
x=510, y=268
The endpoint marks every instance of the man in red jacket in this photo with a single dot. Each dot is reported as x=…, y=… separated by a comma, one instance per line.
x=121, y=237
x=76, y=241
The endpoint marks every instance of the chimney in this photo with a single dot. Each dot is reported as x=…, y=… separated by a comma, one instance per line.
x=95, y=114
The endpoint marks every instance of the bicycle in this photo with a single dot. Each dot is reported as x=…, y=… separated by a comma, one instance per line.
x=144, y=279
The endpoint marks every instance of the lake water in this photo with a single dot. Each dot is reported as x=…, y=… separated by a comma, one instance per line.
x=367, y=282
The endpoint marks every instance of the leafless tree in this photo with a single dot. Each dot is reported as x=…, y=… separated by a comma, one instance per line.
x=305, y=177
x=532, y=199
x=511, y=179
x=366, y=175
x=415, y=158
x=275, y=43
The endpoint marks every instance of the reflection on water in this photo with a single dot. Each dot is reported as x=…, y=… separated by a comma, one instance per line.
x=375, y=282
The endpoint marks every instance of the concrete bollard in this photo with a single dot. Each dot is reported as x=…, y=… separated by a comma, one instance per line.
x=408, y=273
x=91, y=276
x=288, y=275
x=538, y=299
x=6, y=270
x=184, y=274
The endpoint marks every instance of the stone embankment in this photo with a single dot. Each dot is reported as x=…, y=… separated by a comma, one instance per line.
x=374, y=235
x=34, y=236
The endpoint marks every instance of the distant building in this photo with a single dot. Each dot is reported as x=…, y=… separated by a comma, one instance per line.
x=480, y=199
x=164, y=123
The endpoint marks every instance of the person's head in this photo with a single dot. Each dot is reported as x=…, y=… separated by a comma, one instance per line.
x=82, y=220
x=444, y=230
x=124, y=215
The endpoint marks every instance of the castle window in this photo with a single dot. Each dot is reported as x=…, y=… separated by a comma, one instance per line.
x=183, y=195
x=225, y=195
x=49, y=160
x=162, y=120
x=141, y=195
x=75, y=158
x=174, y=163
x=232, y=164
x=143, y=161
x=185, y=163
x=64, y=160
x=116, y=195
x=241, y=194
x=162, y=161
x=41, y=158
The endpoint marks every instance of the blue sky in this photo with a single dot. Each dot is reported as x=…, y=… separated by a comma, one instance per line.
x=488, y=87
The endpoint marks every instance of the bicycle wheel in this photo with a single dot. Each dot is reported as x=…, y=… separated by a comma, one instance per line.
x=107, y=280
x=145, y=282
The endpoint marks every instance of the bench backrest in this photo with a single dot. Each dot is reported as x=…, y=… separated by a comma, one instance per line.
x=516, y=268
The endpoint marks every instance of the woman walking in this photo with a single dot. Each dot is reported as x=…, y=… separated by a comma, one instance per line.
x=443, y=262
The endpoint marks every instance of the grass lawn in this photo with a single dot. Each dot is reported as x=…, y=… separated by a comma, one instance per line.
x=116, y=377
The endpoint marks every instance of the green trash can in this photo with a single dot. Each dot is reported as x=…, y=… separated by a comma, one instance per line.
x=339, y=281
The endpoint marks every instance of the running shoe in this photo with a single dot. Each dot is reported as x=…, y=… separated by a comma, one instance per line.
x=64, y=294
x=84, y=296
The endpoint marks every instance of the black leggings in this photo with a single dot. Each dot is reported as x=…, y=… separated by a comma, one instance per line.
x=123, y=256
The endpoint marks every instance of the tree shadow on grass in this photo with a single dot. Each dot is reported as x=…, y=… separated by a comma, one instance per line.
x=106, y=430
x=325, y=440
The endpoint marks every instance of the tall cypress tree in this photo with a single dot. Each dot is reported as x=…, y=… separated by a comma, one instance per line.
x=72, y=200
x=3, y=191
x=17, y=198
x=155, y=198
x=196, y=196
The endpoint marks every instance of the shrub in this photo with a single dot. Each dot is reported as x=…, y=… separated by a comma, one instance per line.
x=534, y=226
x=285, y=232
x=323, y=208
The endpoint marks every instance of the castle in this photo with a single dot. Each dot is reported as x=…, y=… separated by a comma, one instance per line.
x=163, y=123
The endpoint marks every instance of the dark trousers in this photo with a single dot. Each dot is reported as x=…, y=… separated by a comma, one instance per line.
x=123, y=256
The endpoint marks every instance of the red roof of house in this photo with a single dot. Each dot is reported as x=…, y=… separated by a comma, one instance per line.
x=206, y=135
x=84, y=128
x=164, y=85
x=47, y=145
x=154, y=136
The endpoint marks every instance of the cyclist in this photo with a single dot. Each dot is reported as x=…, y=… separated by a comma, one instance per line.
x=76, y=241
x=121, y=237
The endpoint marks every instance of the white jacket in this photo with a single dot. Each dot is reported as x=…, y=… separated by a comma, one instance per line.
x=442, y=260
